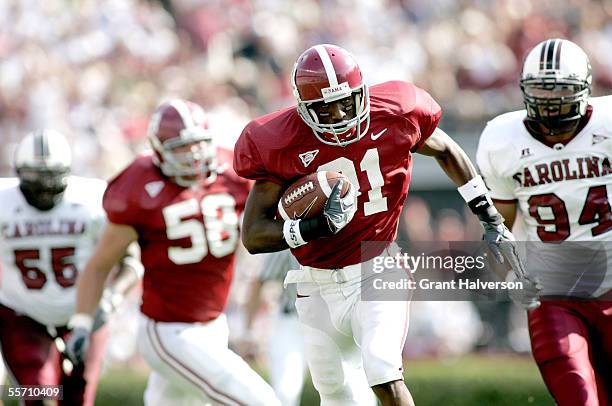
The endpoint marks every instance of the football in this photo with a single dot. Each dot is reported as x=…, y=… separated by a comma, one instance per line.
x=306, y=197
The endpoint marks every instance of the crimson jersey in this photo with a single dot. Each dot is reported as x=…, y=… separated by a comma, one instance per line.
x=187, y=236
x=280, y=147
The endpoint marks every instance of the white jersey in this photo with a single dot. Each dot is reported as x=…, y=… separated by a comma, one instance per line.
x=561, y=191
x=42, y=252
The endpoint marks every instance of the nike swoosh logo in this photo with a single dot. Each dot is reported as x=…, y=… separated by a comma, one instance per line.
x=344, y=207
x=306, y=210
x=377, y=136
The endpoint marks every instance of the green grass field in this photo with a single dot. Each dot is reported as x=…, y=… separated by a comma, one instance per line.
x=470, y=381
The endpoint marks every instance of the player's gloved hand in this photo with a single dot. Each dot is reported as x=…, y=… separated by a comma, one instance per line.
x=503, y=245
x=78, y=342
x=497, y=236
x=77, y=345
x=528, y=297
x=339, y=211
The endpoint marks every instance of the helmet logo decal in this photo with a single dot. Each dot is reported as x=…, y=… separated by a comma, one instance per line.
x=327, y=64
x=308, y=157
x=334, y=93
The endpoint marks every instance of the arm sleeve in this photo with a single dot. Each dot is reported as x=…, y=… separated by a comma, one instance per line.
x=428, y=113
x=116, y=202
x=502, y=188
x=248, y=162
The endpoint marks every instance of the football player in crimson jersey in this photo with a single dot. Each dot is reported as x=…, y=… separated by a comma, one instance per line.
x=49, y=224
x=369, y=134
x=550, y=164
x=182, y=204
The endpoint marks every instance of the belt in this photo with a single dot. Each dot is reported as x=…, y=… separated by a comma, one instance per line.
x=318, y=275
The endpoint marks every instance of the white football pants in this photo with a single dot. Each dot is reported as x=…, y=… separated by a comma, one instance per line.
x=351, y=345
x=192, y=365
x=286, y=358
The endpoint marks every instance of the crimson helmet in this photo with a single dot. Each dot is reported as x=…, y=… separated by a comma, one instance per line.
x=179, y=135
x=327, y=73
x=556, y=85
x=42, y=163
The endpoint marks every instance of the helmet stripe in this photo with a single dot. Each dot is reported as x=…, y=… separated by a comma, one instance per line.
x=45, y=143
x=183, y=110
x=558, y=55
x=550, y=53
x=542, y=55
x=37, y=144
x=41, y=148
x=327, y=64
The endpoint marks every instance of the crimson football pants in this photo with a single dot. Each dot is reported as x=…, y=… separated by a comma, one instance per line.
x=32, y=358
x=572, y=345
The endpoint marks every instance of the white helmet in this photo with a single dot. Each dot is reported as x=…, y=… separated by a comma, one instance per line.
x=42, y=162
x=556, y=85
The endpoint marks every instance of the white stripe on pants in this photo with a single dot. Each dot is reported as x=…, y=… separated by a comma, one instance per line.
x=193, y=366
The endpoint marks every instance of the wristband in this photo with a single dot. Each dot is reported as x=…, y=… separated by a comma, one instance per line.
x=476, y=194
x=314, y=228
x=473, y=188
x=81, y=320
x=291, y=232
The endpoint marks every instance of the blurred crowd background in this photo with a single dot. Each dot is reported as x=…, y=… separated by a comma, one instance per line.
x=96, y=69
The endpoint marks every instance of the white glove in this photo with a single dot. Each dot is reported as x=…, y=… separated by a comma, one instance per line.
x=339, y=211
x=78, y=342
